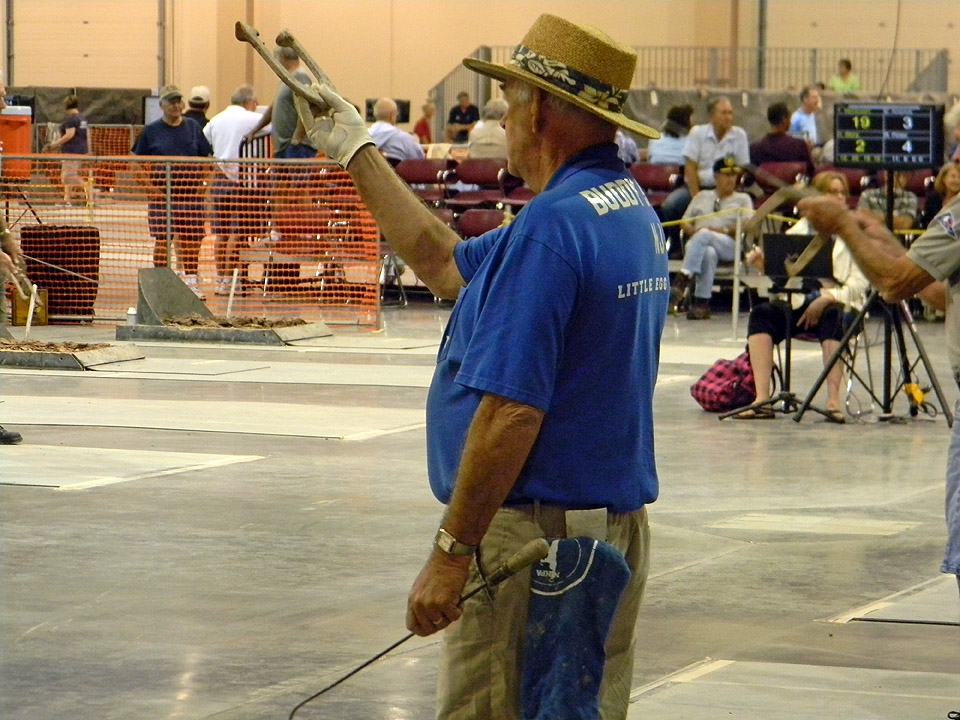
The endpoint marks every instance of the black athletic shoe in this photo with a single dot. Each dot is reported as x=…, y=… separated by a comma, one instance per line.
x=9, y=437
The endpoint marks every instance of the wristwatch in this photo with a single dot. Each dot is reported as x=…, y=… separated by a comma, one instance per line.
x=451, y=546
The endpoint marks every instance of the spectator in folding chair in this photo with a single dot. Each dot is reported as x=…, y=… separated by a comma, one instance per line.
x=488, y=139
x=391, y=141
x=422, y=128
x=821, y=311
x=711, y=237
x=905, y=202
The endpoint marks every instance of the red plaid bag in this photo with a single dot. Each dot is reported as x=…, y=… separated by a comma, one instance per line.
x=727, y=385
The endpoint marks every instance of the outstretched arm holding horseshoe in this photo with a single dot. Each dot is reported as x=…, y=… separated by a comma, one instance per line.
x=878, y=253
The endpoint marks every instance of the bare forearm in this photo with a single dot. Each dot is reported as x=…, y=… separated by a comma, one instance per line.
x=691, y=178
x=498, y=443
x=418, y=236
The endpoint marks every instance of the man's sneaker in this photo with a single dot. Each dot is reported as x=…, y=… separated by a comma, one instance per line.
x=9, y=437
x=191, y=282
x=698, y=312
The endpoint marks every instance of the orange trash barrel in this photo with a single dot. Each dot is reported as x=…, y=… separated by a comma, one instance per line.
x=15, y=139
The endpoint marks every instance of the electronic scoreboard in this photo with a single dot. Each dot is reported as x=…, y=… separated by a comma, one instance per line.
x=894, y=136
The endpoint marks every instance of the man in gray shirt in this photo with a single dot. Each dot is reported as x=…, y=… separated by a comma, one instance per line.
x=288, y=139
x=898, y=274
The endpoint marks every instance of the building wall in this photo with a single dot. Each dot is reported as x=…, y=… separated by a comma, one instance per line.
x=402, y=48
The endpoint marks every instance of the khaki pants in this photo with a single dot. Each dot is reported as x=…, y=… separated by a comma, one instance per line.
x=482, y=654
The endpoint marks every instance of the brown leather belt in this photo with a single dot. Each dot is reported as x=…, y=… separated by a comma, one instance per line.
x=552, y=519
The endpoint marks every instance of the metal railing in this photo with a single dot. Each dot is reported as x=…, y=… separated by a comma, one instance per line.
x=910, y=70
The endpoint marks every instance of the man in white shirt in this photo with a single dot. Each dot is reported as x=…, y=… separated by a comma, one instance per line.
x=232, y=201
x=392, y=142
x=803, y=122
x=488, y=139
x=717, y=139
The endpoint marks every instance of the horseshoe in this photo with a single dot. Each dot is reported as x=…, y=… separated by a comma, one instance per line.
x=287, y=40
x=247, y=34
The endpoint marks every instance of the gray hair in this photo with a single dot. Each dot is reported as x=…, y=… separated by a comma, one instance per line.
x=285, y=53
x=523, y=92
x=495, y=109
x=242, y=95
x=384, y=109
x=712, y=105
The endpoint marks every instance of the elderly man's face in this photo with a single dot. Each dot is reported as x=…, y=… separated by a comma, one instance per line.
x=172, y=109
x=464, y=101
x=517, y=125
x=722, y=117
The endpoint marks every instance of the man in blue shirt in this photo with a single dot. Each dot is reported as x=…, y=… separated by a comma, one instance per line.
x=394, y=143
x=540, y=414
x=174, y=135
x=463, y=116
x=803, y=122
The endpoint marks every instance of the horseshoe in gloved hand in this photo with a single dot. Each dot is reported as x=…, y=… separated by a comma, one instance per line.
x=250, y=35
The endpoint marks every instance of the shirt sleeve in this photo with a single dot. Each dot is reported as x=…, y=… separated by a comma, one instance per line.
x=691, y=149
x=469, y=254
x=741, y=148
x=938, y=250
x=850, y=289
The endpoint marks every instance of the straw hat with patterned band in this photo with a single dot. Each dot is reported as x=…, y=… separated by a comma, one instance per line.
x=578, y=63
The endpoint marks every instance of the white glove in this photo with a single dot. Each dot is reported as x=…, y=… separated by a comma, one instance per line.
x=339, y=131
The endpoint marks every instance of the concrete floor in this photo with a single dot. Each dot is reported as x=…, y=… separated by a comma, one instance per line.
x=218, y=532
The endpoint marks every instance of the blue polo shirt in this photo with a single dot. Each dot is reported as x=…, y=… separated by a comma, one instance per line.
x=563, y=310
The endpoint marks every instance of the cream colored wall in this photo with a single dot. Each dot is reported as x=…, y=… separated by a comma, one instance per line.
x=403, y=47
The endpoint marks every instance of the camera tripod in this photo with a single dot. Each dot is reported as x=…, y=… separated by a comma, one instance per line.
x=895, y=317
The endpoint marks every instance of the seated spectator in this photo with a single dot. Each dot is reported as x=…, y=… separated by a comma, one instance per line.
x=668, y=149
x=844, y=81
x=422, y=127
x=874, y=201
x=392, y=142
x=819, y=311
x=463, y=116
x=945, y=188
x=706, y=144
x=627, y=148
x=777, y=145
x=803, y=122
x=488, y=139
x=711, y=237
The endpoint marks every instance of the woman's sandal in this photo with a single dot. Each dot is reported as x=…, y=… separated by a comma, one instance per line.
x=761, y=413
x=835, y=416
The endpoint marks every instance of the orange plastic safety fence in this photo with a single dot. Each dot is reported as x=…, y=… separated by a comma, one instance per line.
x=301, y=241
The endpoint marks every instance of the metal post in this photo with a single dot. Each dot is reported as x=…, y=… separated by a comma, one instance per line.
x=168, y=205
x=9, y=73
x=161, y=42
x=713, y=67
x=813, y=66
x=762, y=44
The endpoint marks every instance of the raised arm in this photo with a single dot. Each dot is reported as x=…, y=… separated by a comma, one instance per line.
x=878, y=253
x=419, y=237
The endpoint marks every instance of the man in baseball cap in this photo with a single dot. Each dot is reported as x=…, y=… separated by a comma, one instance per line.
x=540, y=415
x=199, y=102
x=710, y=224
